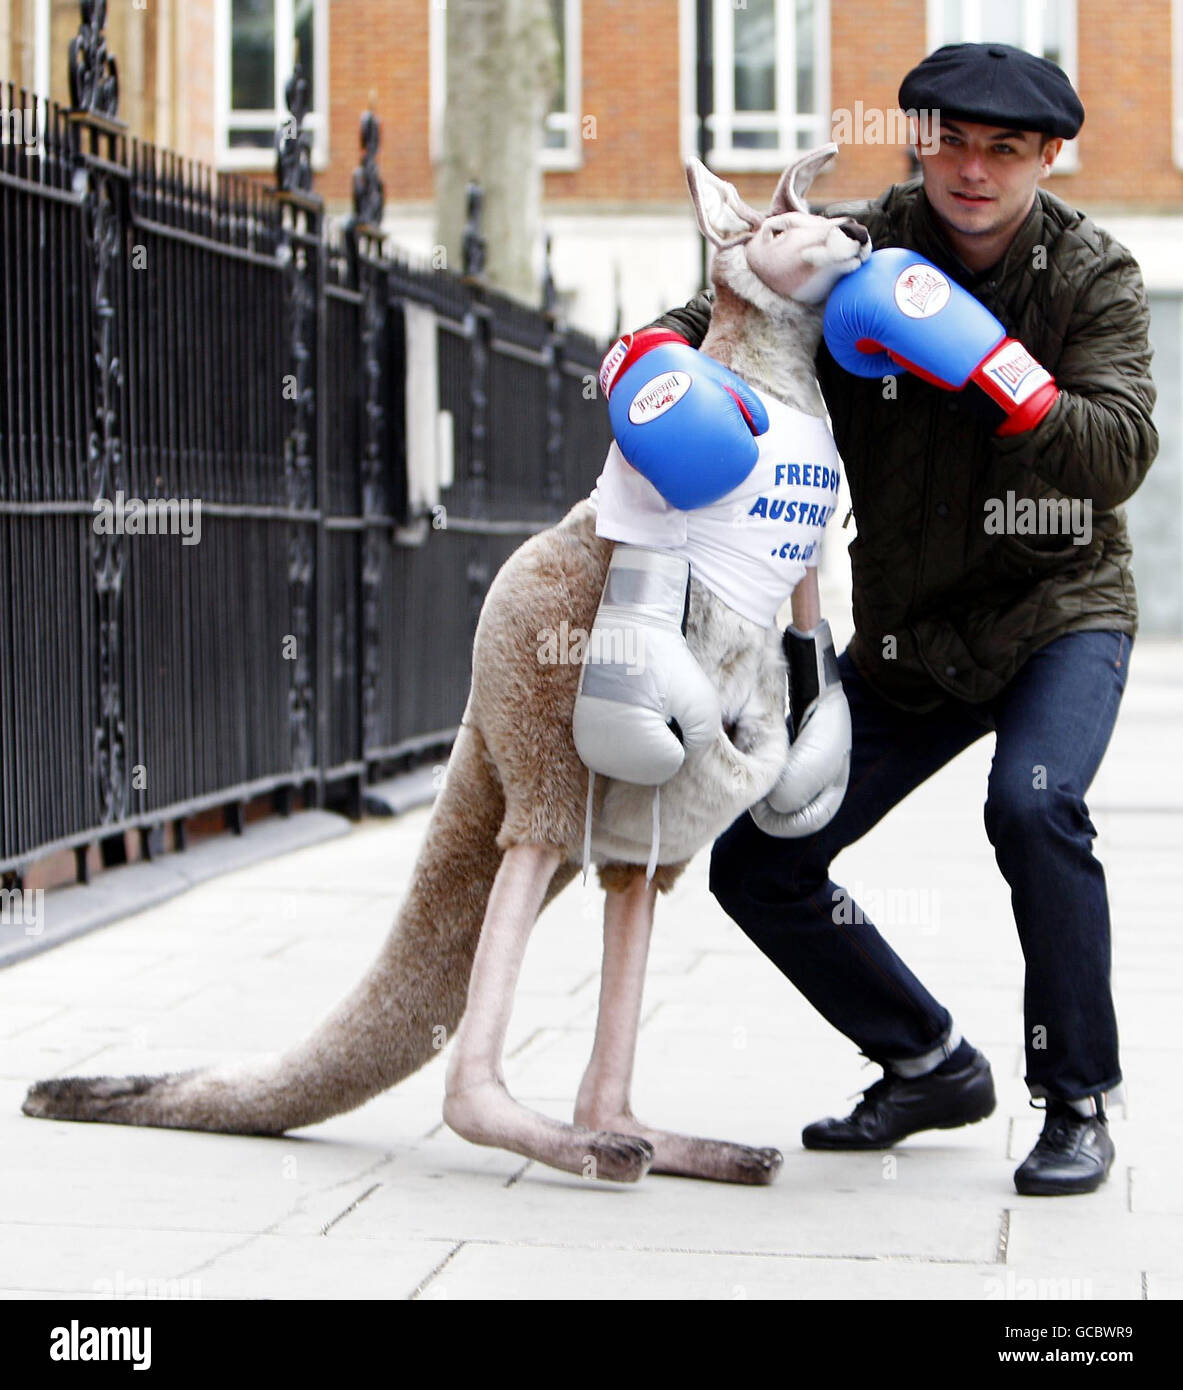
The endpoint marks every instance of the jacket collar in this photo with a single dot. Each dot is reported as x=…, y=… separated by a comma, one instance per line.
x=926, y=235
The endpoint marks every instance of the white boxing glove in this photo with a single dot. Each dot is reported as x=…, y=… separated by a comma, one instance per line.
x=813, y=780
x=644, y=702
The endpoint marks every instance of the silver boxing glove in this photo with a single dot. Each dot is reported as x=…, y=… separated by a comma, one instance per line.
x=813, y=780
x=643, y=700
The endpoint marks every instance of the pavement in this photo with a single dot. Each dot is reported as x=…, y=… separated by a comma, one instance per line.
x=387, y=1203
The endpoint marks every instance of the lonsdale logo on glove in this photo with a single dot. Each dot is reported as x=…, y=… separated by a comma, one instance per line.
x=921, y=291
x=900, y=310
x=1015, y=370
x=657, y=396
x=613, y=361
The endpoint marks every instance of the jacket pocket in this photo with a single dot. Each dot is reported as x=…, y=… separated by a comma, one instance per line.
x=1019, y=558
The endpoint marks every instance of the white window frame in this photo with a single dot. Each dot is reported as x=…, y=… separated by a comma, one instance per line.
x=437, y=77
x=42, y=73
x=1177, y=82
x=569, y=122
x=40, y=83
x=785, y=120
x=568, y=157
x=316, y=123
x=1068, y=160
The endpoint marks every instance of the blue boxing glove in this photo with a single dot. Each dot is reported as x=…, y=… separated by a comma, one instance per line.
x=900, y=310
x=684, y=421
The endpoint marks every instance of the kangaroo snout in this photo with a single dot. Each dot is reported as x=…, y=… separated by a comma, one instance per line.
x=801, y=256
x=854, y=230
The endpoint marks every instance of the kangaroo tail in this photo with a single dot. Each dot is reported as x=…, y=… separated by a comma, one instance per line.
x=395, y=1020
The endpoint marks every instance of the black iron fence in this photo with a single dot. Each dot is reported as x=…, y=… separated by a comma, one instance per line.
x=256, y=475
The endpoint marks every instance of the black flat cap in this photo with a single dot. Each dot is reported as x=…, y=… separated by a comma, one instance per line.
x=996, y=85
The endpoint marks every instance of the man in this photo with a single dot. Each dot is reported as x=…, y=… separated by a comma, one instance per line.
x=960, y=631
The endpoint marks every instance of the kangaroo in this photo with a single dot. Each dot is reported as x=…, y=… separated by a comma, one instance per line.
x=506, y=834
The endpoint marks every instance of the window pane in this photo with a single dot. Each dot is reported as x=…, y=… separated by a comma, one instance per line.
x=558, y=11
x=251, y=139
x=252, y=55
x=557, y=133
x=754, y=139
x=1002, y=22
x=755, y=58
x=302, y=14
x=805, y=89
x=1055, y=30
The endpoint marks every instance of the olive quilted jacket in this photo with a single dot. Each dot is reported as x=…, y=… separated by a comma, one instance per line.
x=943, y=605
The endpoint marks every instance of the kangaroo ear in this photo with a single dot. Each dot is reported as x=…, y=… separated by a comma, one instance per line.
x=723, y=216
x=796, y=179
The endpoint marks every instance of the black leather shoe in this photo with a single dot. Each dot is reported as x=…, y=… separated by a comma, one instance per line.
x=898, y=1106
x=1074, y=1154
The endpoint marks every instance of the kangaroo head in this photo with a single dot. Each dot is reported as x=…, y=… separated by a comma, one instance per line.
x=786, y=253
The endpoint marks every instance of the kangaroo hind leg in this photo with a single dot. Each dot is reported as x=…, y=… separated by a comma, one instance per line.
x=478, y=1105
x=604, y=1095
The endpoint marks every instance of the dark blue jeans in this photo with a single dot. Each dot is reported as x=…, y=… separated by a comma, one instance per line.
x=1057, y=713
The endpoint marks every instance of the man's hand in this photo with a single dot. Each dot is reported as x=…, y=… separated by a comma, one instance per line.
x=644, y=701
x=812, y=783
x=684, y=421
x=899, y=309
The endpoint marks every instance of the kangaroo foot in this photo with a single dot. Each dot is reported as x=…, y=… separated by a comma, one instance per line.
x=685, y=1156
x=486, y=1113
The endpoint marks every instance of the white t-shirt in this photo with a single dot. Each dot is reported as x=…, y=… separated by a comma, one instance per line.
x=753, y=545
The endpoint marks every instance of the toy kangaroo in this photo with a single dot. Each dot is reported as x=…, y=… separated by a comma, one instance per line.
x=506, y=833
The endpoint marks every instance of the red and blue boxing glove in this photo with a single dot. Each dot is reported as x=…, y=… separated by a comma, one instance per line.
x=900, y=310
x=684, y=421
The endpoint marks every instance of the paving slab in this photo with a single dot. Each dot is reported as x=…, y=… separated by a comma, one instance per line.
x=385, y=1202
x=540, y=1273
x=301, y=1267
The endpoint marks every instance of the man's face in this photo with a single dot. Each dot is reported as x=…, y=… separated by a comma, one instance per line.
x=981, y=179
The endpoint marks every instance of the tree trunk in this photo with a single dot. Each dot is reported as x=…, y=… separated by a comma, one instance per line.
x=502, y=70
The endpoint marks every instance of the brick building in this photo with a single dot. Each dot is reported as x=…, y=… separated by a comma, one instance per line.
x=206, y=77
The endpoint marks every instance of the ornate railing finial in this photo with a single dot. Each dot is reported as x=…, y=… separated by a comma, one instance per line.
x=473, y=254
x=293, y=144
x=94, y=77
x=369, y=192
